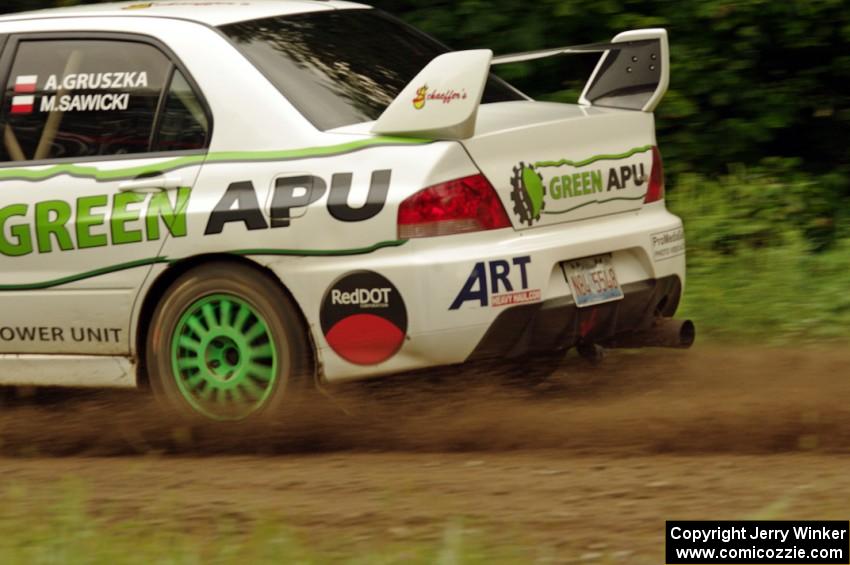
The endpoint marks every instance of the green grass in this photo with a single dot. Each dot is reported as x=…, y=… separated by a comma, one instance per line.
x=757, y=270
x=68, y=531
x=774, y=295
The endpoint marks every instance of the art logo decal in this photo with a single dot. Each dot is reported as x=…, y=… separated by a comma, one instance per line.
x=424, y=95
x=498, y=283
x=567, y=185
x=364, y=318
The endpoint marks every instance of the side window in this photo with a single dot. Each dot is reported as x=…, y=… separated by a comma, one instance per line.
x=90, y=98
x=183, y=124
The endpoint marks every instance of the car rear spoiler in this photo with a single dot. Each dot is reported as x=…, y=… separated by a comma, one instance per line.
x=442, y=101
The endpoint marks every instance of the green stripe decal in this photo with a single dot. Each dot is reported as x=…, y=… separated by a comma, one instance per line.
x=588, y=161
x=158, y=260
x=83, y=276
x=82, y=171
x=555, y=212
x=321, y=252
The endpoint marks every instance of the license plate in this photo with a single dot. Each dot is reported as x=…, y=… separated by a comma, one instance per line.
x=592, y=280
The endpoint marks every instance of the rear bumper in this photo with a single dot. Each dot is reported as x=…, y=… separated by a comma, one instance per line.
x=558, y=323
x=448, y=324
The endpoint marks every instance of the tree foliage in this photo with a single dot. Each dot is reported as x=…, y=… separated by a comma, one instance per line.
x=750, y=79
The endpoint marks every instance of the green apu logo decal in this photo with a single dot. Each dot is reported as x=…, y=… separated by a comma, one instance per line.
x=528, y=193
x=531, y=188
x=91, y=222
x=126, y=217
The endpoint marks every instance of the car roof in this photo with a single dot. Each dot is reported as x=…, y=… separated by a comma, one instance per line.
x=211, y=12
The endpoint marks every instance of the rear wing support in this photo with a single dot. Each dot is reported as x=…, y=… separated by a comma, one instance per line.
x=442, y=102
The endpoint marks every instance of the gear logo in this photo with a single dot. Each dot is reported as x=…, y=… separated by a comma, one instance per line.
x=528, y=193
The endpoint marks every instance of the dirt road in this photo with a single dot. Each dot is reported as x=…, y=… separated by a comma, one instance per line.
x=584, y=467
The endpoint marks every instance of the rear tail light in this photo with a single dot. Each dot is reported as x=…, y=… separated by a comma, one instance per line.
x=655, y=192
x=463, y=205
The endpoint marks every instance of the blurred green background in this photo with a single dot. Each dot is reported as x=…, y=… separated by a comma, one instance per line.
x=755, y=132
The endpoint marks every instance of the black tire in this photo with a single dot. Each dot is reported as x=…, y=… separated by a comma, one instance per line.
x=290, y=360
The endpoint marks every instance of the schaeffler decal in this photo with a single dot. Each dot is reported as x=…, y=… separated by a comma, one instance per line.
x=424, y=95
x=421, y=97
x=568, y=185
x=363, y=318
x=498, y=283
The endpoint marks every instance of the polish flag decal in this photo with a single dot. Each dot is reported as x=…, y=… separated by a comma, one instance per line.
x=24, y=100
x=23, y=104
x=26, y=84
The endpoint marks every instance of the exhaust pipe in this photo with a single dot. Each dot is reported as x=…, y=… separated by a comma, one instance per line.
x=665, y=332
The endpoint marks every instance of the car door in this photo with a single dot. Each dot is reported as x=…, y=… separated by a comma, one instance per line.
x=101, y=140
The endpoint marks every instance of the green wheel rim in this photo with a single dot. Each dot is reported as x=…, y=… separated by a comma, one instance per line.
x=223, y=357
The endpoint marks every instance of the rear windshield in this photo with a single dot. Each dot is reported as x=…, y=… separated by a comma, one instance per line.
x=342, y=67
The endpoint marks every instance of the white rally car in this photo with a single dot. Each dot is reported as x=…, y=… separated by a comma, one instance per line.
x=222, y=199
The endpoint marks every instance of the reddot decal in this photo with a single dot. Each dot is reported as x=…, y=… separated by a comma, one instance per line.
x=364, y=318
